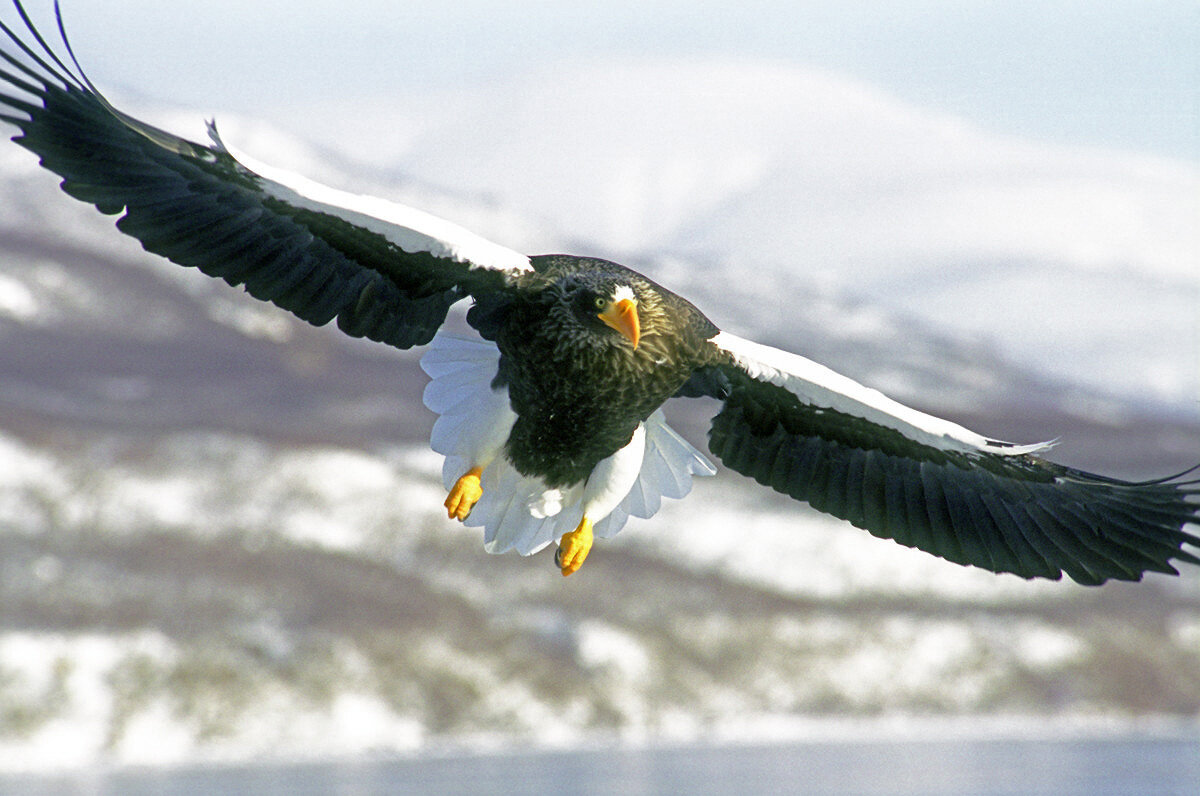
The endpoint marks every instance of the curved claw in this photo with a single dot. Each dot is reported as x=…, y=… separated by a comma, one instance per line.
x=465, y=493
x=574, y=547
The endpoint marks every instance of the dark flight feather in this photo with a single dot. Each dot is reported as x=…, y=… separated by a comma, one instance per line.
x=1016, y=514
x=193, y=205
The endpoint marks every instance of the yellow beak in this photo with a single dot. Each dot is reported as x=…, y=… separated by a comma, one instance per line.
x=622, y=315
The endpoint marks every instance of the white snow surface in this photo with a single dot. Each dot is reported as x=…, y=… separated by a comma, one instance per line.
x=1083, y=262
x=341, y=499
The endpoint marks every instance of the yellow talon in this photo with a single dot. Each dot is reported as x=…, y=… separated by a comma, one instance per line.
x=574, y=547
x=465, y=493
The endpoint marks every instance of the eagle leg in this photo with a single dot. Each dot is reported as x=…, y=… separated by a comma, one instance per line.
x=574, y=547
x=465, y=493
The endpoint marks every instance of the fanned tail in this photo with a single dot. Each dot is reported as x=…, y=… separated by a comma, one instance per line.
x=518, y=512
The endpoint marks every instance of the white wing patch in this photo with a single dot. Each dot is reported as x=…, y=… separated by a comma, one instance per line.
x=819, y=386
x=410, y=229
x=519, y=512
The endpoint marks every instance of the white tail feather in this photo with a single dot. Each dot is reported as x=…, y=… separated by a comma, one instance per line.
x=519, y=512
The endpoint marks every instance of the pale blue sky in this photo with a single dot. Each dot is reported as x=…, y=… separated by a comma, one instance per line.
x=1122, y=73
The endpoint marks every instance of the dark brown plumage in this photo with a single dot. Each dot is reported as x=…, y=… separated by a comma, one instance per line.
x=578, y=387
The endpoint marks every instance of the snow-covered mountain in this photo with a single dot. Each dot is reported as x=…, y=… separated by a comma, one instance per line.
x=220, y=528
x=1080, y=262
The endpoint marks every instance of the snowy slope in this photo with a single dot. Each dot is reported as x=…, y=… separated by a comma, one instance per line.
x=1084, y=263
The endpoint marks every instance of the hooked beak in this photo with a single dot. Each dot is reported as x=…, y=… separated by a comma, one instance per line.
x=622, y=315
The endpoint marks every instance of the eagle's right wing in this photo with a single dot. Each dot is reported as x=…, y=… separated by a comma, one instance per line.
x=384, y=271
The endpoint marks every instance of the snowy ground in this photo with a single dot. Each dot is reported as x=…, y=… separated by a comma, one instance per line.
x=205, y=597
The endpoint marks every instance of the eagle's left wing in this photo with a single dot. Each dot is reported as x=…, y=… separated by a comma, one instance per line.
x=384, y=271
x=850, y=451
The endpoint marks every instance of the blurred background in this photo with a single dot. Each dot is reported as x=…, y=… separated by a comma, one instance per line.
x=221, y=535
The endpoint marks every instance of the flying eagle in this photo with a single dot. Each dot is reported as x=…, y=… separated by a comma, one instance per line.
x=550, y=419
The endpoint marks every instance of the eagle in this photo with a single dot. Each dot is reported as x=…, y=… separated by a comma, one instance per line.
x=550, y=417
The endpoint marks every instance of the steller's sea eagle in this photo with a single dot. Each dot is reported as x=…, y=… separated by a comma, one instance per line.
x=550, y=420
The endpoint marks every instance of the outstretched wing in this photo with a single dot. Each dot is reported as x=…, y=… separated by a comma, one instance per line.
x=384, y=271
x=849, y=451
